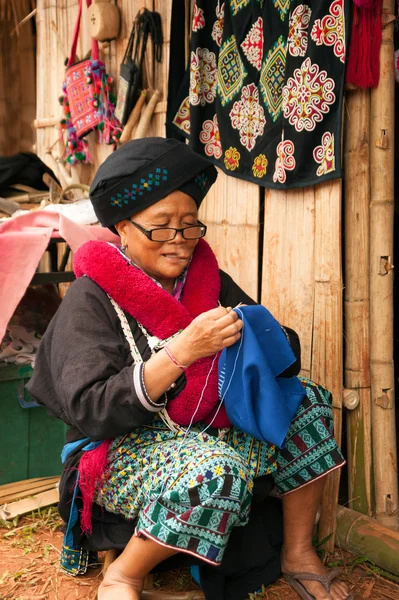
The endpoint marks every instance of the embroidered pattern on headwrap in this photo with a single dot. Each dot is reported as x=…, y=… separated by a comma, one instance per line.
x=138, y=189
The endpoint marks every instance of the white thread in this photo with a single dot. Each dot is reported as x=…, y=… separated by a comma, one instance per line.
x=137, y=359
x=200, y=400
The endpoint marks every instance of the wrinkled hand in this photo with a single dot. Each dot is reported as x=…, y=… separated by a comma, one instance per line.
x=207, y=334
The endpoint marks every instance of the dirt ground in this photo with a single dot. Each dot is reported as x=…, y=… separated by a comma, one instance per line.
x=29, y=556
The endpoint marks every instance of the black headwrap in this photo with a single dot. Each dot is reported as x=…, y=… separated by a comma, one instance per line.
x=143, y=172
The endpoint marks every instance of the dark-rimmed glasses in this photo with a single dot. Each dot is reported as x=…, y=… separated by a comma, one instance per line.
x=167, y=234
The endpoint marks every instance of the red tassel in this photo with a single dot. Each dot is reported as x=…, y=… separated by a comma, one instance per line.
x=363, y=65
x=92, y=466
x=364, y=3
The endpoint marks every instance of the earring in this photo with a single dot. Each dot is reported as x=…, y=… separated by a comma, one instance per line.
x=123, y=247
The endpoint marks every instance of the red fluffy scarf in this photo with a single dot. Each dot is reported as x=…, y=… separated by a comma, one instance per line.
x=162, y=315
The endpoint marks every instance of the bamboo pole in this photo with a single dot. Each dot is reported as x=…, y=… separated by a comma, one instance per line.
x=357, y=297
x=363, y=536
x=327, y=344
x=381, y=280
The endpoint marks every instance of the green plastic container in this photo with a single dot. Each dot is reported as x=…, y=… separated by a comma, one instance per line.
x=30, y=440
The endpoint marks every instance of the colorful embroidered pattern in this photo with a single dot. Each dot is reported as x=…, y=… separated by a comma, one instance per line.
x=198, y=18
x=285, y=160
x=248, y=116
x=202, y=180
x=217, y=29
x=259, y=166
x=298, y=30
x=182, y=117
x=283, y=7
x=272, y=77
x=307, y=96
x=253, y=44
x=330, y=30
x=232, y=159
x=293, y=53
x=310, y=450
x=231, y=72
x=202, y=77
x=190, y=493
x=324, y=154
x=210, y=137
x=139, y=189
x=237, y=5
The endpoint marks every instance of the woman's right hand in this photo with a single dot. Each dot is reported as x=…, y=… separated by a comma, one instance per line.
x=210, y=332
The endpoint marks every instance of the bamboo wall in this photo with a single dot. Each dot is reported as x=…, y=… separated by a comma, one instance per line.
x=17, y=79
x=283, y=248
x=369, y=215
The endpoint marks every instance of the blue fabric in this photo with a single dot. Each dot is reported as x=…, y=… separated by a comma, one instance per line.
x=74, y=513
x=256, y=399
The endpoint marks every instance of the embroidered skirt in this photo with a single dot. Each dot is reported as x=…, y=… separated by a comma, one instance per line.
x=188, y=491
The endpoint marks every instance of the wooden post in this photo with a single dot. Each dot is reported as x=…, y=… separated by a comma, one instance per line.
x=357, y=296
x=327, y=355
x=381, y=280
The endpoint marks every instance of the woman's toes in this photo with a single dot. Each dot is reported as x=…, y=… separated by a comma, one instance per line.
x=339, y=590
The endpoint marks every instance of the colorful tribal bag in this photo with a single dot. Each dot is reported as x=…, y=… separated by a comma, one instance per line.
x=87, y=101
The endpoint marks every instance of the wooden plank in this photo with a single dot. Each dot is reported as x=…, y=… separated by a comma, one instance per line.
x=16, y=486
x=32, y=490
x=327, y=347
x=22, y=507
x=287, y=270
x=231, y=211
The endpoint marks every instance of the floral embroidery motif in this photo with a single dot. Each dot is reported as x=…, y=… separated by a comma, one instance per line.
x=138, y=189
x=182, y=117
x=298, y=30
x=210, y=137
x=272, y=77
x=253, y=44
x=325, y=154
x=248, y=116
x=307, y=96
x=259, y=167
x=232, y=159
x=202, y=77
x=217, y=29
x=282, y=7
x=330, y=30
x=285, y=160
x=231, y=72
x=198, y=18
x=237, y=5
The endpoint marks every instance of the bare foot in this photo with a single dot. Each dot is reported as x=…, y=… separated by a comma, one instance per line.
x=116, y=586
x=309, y=561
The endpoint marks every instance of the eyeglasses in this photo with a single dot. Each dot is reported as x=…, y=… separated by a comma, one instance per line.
x=166, y=234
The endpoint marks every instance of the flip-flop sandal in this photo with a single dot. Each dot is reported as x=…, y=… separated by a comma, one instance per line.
x=293, y=580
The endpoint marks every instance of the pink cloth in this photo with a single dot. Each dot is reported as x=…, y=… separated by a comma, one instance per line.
x=22, y=243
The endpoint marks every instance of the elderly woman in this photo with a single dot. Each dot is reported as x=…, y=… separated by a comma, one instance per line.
x=129, y=364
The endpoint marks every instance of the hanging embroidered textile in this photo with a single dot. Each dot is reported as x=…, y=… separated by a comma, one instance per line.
x=262, y=97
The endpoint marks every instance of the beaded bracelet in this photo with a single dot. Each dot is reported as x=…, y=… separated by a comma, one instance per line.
x=174, y=360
